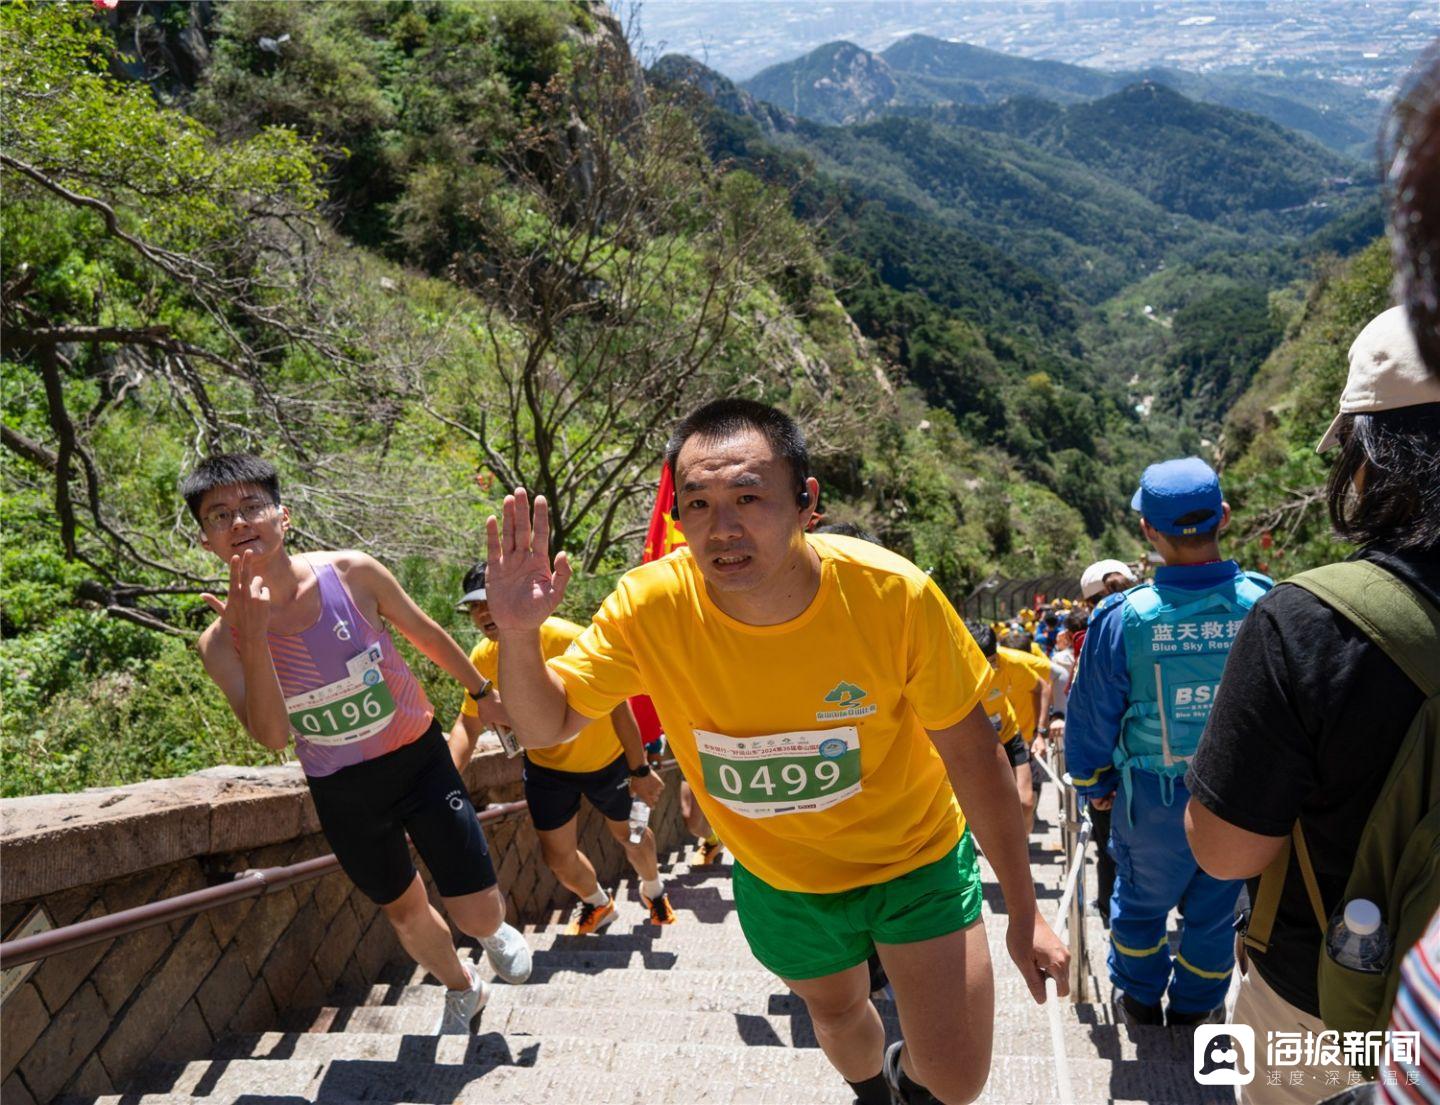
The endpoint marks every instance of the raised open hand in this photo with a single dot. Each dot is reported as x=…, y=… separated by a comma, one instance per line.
x=246, y=608
x=521, y=586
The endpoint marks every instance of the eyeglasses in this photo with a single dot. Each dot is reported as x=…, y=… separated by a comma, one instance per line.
x=222, y=518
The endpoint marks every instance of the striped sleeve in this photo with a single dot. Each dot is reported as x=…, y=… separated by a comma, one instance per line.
x=1411, y=1072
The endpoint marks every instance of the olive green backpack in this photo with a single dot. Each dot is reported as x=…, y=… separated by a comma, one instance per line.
x=1397, y=865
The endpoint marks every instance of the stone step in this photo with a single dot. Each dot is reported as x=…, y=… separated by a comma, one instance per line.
x=582, y=1070
x=632, y=931
x=716, y=989
x=639, y=1073
x=683, y=944
x=1018, y=1031
x=594, y=956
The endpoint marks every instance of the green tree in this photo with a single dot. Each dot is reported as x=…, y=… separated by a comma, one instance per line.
x=135, y=249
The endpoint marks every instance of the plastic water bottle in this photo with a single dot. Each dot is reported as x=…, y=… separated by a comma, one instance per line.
x=1357, y=938
x=639, y=818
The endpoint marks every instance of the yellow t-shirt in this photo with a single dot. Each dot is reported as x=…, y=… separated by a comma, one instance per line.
x=595, y=746
x=805, y=742
x=1018, y=674
x=1002, y=715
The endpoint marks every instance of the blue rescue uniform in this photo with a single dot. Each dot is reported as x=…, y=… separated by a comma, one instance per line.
x=1152, y=661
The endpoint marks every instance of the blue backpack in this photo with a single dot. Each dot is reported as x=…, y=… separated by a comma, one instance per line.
x=1176, y=642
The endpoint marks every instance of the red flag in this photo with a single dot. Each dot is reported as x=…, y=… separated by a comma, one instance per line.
x=661, y=538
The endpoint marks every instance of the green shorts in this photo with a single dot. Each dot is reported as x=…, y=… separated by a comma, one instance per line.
x=800, y=935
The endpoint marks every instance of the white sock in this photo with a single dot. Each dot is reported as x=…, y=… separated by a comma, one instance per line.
x=651, y=888
x=598, y=898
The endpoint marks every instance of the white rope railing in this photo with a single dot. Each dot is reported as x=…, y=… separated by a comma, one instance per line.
x=1075, y=940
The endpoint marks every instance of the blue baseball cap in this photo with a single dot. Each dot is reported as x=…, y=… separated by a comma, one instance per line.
x=1176, y=488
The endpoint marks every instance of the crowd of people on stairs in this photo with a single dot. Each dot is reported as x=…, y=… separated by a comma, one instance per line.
x=1251, y=750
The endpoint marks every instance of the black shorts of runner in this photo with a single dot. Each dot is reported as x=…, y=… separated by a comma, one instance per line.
x=554, y=796
x=367, y=808
x=1017, y=751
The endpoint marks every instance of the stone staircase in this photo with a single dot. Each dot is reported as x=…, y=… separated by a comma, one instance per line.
x=640, y=1014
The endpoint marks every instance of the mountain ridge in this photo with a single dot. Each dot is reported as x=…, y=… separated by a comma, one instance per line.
x=920, y=69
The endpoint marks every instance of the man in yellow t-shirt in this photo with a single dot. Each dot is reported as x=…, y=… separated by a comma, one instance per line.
x=823, y=699
x=1024, y=678
x=605, y=762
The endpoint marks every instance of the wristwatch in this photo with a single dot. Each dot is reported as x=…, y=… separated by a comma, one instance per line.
x=476, y=696
x=640, y=772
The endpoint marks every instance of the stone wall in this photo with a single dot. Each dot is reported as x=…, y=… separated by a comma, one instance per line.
x=85, y=1021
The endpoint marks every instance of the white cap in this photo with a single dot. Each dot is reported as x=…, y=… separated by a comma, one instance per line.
x=1362, y=916
x=1386, y=373
x=1092, y=581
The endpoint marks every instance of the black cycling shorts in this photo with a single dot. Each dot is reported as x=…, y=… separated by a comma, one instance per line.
x=554, y=796
x=1017, y=751
x=367, y=808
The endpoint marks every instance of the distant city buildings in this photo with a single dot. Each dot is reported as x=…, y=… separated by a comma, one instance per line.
x=1364, y=45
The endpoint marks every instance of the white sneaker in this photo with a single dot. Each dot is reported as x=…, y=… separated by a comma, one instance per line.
x=461, y=1006
x=508, y=954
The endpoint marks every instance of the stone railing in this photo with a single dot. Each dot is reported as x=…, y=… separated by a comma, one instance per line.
x=84, y=1021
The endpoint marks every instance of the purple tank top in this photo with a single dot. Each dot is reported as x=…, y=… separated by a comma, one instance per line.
x=349, y=694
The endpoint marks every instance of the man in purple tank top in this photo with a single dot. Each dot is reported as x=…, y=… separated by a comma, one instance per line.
x=301, y=650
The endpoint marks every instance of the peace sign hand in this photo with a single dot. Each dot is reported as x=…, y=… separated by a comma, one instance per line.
x=521, y=587
x=246, y=608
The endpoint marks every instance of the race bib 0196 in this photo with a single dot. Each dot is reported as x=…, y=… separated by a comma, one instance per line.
x=784, y=773
x=347, y=710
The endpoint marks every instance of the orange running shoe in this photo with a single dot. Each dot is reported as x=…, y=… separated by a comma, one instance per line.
x=708, y=852
x=661, y=911
x=590, y=919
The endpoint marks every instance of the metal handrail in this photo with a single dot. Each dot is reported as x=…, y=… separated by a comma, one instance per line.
x=252, y=883
x=1075, y=829
x=1075, y=832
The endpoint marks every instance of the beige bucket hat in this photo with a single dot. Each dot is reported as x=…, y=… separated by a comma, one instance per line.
x=1386, y=373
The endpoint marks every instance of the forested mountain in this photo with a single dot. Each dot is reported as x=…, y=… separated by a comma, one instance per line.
x=843, y=83
x=1210, y=163
x=1148, y=175
x=1162, y=277
x=419, y=254
x=1274, y=476
x=416, y=255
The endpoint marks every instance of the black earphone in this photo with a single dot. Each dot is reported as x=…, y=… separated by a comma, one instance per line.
x=802, y=500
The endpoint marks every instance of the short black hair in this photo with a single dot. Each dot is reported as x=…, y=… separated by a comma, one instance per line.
x=475, y=577
x=848, y=529
x=1076, y=620
x=984, y=636
x=1017, y=640
x=724, y=417
x=1198, y=518
x=1399, y=504
x=226, y=470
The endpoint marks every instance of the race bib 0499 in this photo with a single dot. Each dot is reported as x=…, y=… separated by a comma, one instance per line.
x=347, y=710
x=784, y=773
